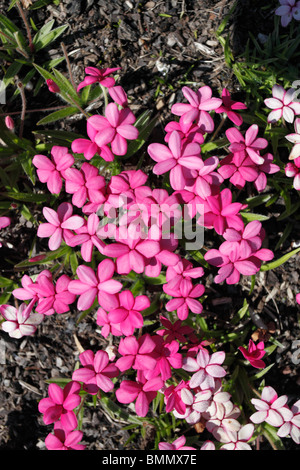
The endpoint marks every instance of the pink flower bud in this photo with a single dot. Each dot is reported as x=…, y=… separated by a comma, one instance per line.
x=53, y=87
x=9, y=123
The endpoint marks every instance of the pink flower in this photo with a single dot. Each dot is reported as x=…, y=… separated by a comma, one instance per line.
x=250, y=144
x=118, y=94
x=229, y=107
x=250, y=237
x=221, y=213
x=51, y=171
x=234, y=260
x=178, y=158
x=254, y=354
x=4, y=222
x=98, y=75
x=292, y=170
x=292, y=426
x=127, y=314
x=131, y=253
x=20, y=321
x=52, y=298
x=178, y=444
x=238, y=168
x=298, y=298
x=282, y=104
x=136, y=353
x=188, y=131
x=64, y=440
x=84, y=184
x=205, y=179
x=295, y=139
x=268, y=167
x=96, y=370
x=183, y=269
x=87, y=237
x=60, y=405
x=90, y=285
x=173, y=400
x=52, y=86
x=166, y=357
x=200, y=103
x=205, y=367
x=142, y=392
x=107, y=326
x=89, y=148
x=60, y=225
x=28, y=291
x=235, y=440
x=115, y=128
x=288, y=10
x=271, y=408
x=185, y=296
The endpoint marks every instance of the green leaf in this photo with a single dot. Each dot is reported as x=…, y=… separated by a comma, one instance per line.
x=4, y=282
x=250, y=216
x=280, y=261
x=44, y=39
x=25, y=159
x=26, y=197
x=271, y=434
x=57, y=115
x=45, y=258
x=145, y=126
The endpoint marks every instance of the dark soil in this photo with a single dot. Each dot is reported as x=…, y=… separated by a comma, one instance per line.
x=161, y=44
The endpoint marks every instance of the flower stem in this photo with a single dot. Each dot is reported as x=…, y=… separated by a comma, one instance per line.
x=23, y=16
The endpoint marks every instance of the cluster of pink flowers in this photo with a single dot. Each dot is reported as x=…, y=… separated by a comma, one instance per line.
x=132, y=228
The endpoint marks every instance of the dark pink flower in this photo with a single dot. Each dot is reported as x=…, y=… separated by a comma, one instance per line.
x=64, y=440
x=172, y=398
x=53, y=298
x=230, y=107
x=188, y=131
x=185, y=298
x=84, y=184
x=101, y=76
x=136, y=353
x=60, y=405
x=166, y=357
x=107, y=326
x=238, y=168
x=250, y=144
x=178, y=444
x=89, y=148
x=87, y=237
x=292, y=170
x=254, y=353
x=173, y=331
x=96, y=371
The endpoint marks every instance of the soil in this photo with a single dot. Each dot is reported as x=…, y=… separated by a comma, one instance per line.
x=159, y=45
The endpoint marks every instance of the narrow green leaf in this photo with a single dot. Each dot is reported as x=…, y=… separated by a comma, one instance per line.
x=57, y=115
x=280, y=261
x=250, y=216
x=46, y=39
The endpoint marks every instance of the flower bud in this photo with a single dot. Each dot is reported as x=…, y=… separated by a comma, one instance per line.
x=53, y=87
x=9, y=123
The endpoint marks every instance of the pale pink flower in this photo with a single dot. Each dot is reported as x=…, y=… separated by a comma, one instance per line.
x=222, y=413
x=235, y=440
x=115, y=128
x=205, y=368
x=84, y=184
x=19, y=322
x=60, y=405
x=288, y=10
x=60, y=225
x=178, y=158
x=282, y=104
x=200, y=103
x=91, y=285
x=52, y=170
x=295, y=139
x=230, y=107
x=101, y=76
x=52, y=86
x=142, y=391
x=291, y=427
x=127, y=313
x=254, y=353
x=136, y=353
x=208, y=445
x=249, y=144
x=271, y=408
x=97, y=370
x=292, y=170
x=87, y=237
x=185, y=298
x=196, y=404
x=178, y=444
x=64, y=440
